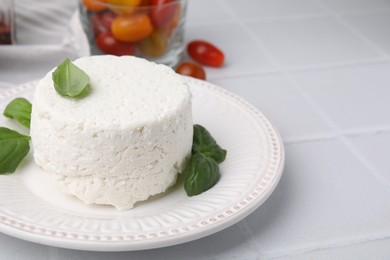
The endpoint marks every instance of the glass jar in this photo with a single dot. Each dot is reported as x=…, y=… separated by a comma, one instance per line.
x=151, y=29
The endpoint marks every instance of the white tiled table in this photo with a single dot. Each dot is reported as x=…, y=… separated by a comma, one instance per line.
x=320, y=70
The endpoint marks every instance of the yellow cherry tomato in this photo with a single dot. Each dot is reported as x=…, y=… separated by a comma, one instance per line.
x=123, y=6
x=125, y=2
x=155, y=45
x=131, y=28
x=95, y=5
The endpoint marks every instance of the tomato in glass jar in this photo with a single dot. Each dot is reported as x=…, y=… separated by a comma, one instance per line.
x=131, y=28
x=123, y=6
x=205, y=53
x=109, y=45
x=94, y=5
x=101, y=23
x=163, y=12
x=191, y=69
x=5, y=33
x=170, y=28
x=125, y=2
x=155, y=45
x=145, y=3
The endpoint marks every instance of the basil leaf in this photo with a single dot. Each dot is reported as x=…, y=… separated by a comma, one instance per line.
x=19, y=109
x=202, y=173
x=13, y=148
x=70, y=81
x=204, y=143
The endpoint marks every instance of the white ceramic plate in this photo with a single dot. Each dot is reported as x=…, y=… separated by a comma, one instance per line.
x=32, y=209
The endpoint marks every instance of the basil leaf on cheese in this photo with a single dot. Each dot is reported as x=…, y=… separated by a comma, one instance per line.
x=70, y=81
x=19, y=109
x=13, y=148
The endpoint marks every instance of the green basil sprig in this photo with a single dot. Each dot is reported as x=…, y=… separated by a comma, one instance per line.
x=202, y=172
x=70, y=81
x=14, y=147
x=19, y=109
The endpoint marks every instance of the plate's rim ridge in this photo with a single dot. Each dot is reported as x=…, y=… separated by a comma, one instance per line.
x=122, y=242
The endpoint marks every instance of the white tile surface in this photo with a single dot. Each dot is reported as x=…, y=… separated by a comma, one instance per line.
x=373, y=26
x=308, y=42
x=13, y=248
x=244, y=9
x=375, y=147
x=321, y=200
x=279, y=100
x=356, y=5
x=375, y=250
x=205, y=12
x=354, y=97
x=242, y=54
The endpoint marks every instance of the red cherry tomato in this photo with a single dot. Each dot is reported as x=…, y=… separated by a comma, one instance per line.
x=170, y=28
x=145, y=3
x=205, y=53
x=101, y=23
x=163, y=12
x=109, y=45
x=191, y=69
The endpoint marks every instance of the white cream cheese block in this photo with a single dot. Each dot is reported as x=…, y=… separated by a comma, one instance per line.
x=125, y=141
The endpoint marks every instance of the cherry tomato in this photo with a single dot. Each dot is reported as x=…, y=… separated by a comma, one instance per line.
x=163, y=12
x=191, y=69
x=109, y=45
x=101, y=23
x=205, y=53
x=155, y=45
x=5, y=33
x=131, y=28
x=146, y=3
x=123, y=6
x=95, y=5
x=173, y=24
x=125, y=2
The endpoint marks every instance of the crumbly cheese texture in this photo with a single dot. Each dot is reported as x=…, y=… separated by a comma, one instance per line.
x=122, y=143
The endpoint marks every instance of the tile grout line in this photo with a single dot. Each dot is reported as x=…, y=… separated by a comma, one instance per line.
x=295, y=17
x=351, y=28
x=245, y=74
x=360, y=12
x=350, y=133
x=307, y=68
x=246, y=229
x=335, y=65
x=283, y=18
x=328, y=246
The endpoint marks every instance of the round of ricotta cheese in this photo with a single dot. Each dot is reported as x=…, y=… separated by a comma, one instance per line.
x=123, y=142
